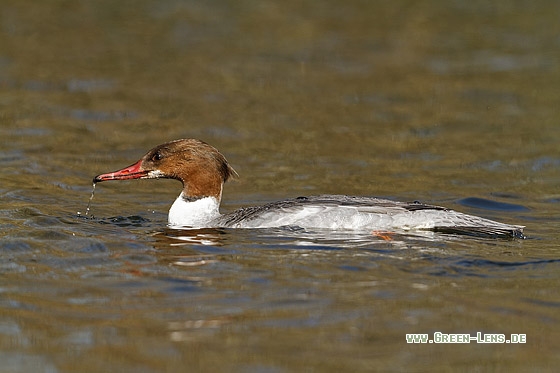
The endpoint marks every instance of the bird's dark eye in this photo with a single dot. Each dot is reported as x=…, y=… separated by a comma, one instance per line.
x=157, y=157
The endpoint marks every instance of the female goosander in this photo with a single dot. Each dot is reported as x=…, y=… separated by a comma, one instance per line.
x=203, y=170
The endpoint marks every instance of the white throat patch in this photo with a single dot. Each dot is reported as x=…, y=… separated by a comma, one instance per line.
x=193, y=214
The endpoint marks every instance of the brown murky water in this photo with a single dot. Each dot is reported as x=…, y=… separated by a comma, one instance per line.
x=453, y=103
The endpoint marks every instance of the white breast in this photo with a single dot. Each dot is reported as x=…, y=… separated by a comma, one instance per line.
x=195, y=214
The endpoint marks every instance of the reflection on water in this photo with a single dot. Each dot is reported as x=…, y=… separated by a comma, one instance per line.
x=482, y=203
x=450, y=103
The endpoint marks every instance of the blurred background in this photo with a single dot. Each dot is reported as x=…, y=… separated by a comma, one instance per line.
x=438, y=101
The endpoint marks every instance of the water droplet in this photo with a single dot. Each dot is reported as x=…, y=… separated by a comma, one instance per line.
x=90, y=198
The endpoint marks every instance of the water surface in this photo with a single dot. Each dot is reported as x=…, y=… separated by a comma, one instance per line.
x=449, y=103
